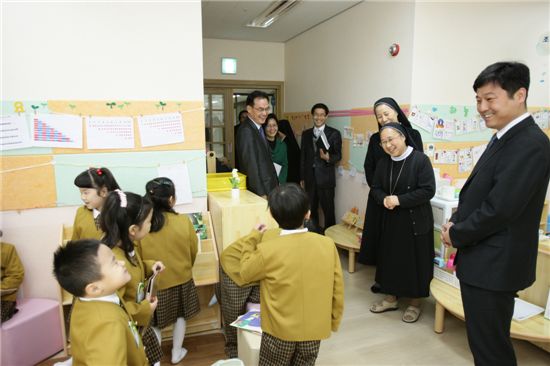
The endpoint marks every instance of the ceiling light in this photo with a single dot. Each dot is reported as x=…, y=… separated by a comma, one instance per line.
x=272, y=13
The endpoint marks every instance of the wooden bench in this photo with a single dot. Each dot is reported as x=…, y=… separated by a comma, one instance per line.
x=535, y=330
x=346, y=238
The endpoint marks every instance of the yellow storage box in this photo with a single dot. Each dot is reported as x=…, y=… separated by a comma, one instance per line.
x=216, y=182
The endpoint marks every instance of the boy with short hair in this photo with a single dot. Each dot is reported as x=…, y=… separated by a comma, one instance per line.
x=102, y=332
x=301, y=284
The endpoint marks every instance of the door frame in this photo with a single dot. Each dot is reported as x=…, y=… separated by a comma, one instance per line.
x=278, y=86
x=251, y=84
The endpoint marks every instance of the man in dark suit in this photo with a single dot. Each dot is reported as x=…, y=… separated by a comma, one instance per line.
x=243, y=116
x=496, y=225
x=253, y=153
x=321, y=149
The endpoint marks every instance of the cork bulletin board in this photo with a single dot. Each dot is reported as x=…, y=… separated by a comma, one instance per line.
x=36, y=177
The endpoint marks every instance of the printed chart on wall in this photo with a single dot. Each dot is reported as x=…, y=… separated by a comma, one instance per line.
x=45, y=144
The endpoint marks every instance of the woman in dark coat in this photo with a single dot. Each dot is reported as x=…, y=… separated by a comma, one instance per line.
x=403, y=185
x=385, y=110
x=293, y=152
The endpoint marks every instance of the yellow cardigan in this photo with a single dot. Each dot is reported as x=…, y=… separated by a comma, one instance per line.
x=141, y=312
x=176, y=245
x=301, y=284
x=12, y=271
x=101, y=335
x=231, y=257
x=84, y=225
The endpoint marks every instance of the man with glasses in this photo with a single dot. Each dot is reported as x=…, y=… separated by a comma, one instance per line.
x=321, y=151
x=252, y=150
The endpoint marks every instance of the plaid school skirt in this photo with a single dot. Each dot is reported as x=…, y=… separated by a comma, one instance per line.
x=151, y=343
x=181, y=301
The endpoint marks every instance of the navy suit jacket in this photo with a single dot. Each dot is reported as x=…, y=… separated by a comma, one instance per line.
x=496, y=225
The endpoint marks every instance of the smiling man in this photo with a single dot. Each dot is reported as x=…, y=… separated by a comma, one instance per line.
x=495, y=227
x=321, y=151
x=253, y=153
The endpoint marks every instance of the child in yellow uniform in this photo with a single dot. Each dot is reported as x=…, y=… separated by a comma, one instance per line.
x=173, y=241
x=103, y=332
x=94, y=184
x=301, y=284
x=125, y=219
x=235, y=293
x=12, y=277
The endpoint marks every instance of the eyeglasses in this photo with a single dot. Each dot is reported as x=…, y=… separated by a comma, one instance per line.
x=260, y=110
x=388, y=141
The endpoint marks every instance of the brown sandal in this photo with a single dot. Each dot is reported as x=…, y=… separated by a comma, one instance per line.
x=383, y=306
x=411, y=314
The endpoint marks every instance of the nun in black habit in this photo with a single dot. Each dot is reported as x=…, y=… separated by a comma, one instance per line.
x=385, y=110
x=403, y=185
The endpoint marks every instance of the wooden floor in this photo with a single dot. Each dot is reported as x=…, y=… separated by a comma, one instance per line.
x=365, y=338
x=201, y=351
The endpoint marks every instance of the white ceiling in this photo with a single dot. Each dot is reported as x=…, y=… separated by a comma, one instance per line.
x=227, y=19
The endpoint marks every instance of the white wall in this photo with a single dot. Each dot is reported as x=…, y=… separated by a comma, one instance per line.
x=92, y=51
x=345, y=63
x=255, y=60
x=444, y=45
x=454, y=42
x=449, y=52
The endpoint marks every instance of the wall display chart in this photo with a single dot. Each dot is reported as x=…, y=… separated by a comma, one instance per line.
x=46, y=144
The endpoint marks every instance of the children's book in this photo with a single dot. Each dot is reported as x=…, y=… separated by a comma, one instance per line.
x=151, y=286
x=250, y=321
x=198, y=224
x=525, y=310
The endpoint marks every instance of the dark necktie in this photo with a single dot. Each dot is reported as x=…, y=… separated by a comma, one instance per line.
x=96, y=220
x=262, y=133
x=492, y=141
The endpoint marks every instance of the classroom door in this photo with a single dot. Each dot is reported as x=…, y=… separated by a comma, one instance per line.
x=218, y=122
x=223, y=101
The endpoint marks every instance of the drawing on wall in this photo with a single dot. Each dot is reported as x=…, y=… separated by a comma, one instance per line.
x=422, y=120
x=542, y=118
x=358, y=140
x=465, y=160
x=444, y=129
x=348, y=133
x=477, y=151
x=445, y=157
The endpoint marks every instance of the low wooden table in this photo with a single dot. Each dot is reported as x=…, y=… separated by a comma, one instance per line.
x=347, y=239
x=535, y=329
